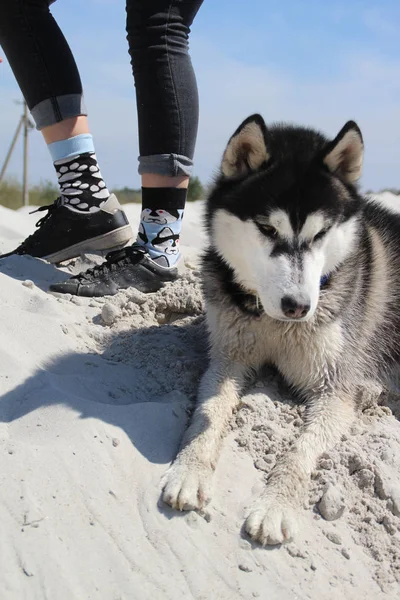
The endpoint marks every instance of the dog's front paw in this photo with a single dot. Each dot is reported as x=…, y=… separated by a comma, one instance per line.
x=271, y=521
x=187, y=487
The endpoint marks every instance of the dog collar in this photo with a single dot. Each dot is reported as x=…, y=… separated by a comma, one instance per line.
x=324, y=280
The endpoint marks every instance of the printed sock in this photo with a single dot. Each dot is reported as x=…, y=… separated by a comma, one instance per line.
x=81, y=184
x=161, y=223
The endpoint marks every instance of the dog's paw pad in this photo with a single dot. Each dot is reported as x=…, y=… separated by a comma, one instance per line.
x=271, y=522
x=187, y=488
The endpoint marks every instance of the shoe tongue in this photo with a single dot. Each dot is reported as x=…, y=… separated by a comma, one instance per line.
x=133, y=253
x=116, y=256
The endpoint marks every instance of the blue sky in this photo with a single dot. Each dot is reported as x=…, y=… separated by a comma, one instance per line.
x=310, y=62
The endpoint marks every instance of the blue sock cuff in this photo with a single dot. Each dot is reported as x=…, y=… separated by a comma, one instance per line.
x=79, y=144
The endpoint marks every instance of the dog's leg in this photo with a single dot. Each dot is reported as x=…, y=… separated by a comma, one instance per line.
x=274, y=516
x=187, y=483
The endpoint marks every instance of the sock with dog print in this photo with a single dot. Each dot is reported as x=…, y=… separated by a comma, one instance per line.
x=161, y=223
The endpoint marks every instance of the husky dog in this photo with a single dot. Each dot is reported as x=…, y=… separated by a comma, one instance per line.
x=303, y=273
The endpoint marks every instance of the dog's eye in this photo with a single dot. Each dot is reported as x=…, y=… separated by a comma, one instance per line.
x=268, y=230
x=320, y=235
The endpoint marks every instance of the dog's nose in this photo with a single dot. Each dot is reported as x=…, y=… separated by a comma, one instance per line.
x=292, y=309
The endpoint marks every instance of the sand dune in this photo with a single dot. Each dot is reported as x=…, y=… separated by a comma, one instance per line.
x=95, y=395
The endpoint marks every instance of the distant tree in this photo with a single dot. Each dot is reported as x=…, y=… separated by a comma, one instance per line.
x=394, y=191
x=44, y=193
x=127, y=195
x=40, y=194
x=196, y=190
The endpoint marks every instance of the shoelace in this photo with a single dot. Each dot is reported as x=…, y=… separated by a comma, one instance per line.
x=131, y=255
x=50, y=208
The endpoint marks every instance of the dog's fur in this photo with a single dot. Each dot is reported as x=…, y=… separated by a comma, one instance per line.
x=286, y=221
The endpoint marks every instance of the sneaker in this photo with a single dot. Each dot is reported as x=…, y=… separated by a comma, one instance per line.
x=63, y=234
x=129, y=267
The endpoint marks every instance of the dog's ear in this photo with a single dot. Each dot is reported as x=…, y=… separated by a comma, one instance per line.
x=344, y=155
x=246, y=150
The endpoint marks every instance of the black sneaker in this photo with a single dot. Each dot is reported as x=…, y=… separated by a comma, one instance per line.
x=129, y=267
x=63, y=234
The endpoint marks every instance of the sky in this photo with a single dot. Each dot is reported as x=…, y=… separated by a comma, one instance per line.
x=307, y=62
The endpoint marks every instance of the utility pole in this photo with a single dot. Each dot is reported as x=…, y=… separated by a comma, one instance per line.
x=25, y=189
x=10, y=150
x=27, y=125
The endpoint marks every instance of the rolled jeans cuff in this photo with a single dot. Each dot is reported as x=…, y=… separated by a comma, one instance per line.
x=56, y=109
x=170, y=165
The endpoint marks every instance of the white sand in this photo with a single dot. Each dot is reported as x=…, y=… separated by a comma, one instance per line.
x=91, y=414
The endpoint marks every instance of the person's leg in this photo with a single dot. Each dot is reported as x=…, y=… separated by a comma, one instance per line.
x=46, y=72
x=167, y=105
x=158, y=32
x=65, y=129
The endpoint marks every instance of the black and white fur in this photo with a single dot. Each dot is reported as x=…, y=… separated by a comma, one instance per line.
x=284, y=216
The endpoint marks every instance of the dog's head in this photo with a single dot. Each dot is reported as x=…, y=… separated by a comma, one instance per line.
x=284, y=211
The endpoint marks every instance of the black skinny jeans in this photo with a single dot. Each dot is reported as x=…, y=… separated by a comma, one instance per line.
x=166, y=90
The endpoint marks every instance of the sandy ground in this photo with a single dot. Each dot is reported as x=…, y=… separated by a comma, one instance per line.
x=95, y=396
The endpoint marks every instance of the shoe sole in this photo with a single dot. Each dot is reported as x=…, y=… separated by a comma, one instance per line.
x=112, y=240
